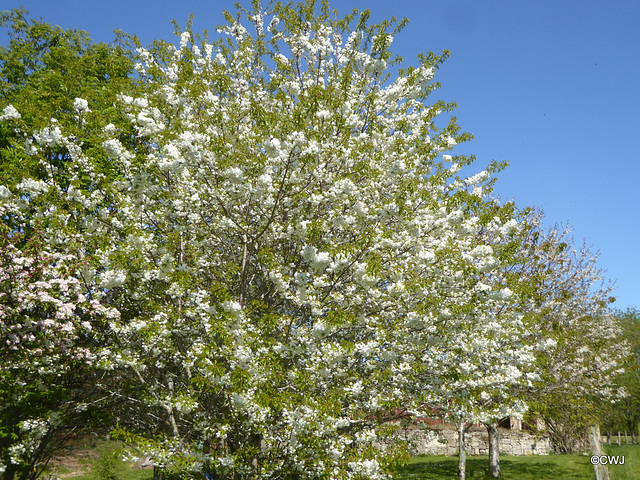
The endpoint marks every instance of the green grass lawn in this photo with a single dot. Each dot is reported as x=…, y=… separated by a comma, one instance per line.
x=631, y=468
x=122, y=472
x=534, y=467
x=93, y=459
x=99, y=463
x=552, y=467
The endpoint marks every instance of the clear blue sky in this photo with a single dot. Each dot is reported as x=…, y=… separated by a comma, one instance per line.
x=552, y=86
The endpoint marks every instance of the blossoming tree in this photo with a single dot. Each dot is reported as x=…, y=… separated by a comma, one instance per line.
x=482, y=357
x=47, y=354
x=291, y=252
x=567, y=300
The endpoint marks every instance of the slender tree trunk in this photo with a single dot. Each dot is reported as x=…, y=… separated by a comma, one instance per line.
x=244, y=269
x=494, y=449
x=158, y=473
x=462, y=452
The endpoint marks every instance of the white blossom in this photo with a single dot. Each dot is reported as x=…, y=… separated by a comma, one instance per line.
x=81, y=106
x=10, y=113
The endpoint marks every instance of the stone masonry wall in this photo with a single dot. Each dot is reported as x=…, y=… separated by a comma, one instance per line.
x=443, y=440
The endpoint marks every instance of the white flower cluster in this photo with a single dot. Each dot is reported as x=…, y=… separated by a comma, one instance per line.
x=81, y=106
x=10, y=113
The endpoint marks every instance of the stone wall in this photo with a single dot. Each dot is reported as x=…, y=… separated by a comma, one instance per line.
x=443, y=440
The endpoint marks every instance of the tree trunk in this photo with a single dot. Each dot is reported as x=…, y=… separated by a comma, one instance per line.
x=462, y=453
x=494, y=450
x=158, y=473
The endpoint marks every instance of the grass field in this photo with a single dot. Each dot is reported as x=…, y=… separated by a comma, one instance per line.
x=96, y=461
x=631, y=468
x=535, y=467
x=554, y=467
x=100, y=465
x=92, y=459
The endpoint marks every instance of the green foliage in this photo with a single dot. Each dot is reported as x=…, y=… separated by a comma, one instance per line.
x=624, y=413
x=43, y=69
x=107, y=462
x=88, y=458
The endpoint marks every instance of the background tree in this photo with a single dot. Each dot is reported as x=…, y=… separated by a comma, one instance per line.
x=490, y=360
x=46, y=381
x=568, y=302
x=557, y=292
x=623, y=414
x=48, y=355
x=43, y=70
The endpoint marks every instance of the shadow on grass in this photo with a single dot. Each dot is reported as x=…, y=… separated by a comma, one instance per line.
x=513, y=468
